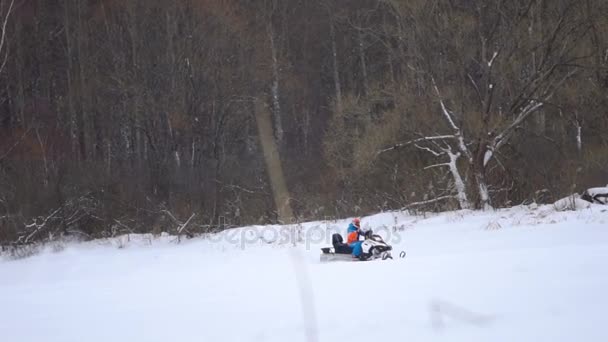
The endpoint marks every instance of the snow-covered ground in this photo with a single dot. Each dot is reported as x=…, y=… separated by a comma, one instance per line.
x=511, y=275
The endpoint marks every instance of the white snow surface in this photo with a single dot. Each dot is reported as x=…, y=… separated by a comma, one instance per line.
x=519, y=274
x=597, y=191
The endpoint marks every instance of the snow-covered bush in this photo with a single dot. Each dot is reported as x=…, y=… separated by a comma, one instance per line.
x=493, y=225
x=20, y=251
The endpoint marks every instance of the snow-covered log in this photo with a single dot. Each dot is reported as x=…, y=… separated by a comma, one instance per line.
x=572, y=202
x=596, y=195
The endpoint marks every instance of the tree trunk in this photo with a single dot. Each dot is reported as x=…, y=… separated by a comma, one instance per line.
x=70, y=92
x=334, y=53
x=84, y=96
x=478, y=165
x=458, y=181
x=134, y=133
x=389, y=53
x=19, y=65
x=482, y=188
x=276, y=105
x=109, y=157
x=362, y=62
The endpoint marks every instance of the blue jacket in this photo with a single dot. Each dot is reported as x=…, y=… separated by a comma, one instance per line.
x=352, y=234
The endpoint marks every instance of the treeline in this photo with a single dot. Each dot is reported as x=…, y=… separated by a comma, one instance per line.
x=153, y=115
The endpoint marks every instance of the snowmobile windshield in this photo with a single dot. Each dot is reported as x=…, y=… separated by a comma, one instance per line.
x=377, y=238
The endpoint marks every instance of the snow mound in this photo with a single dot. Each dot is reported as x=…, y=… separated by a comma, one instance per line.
x=572, y=202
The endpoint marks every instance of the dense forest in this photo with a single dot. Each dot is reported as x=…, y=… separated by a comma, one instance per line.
x=138, y=116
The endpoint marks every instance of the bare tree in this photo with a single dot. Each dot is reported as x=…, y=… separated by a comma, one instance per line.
x=498, y=94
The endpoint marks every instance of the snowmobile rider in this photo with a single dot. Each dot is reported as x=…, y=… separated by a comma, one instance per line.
x=352, y=237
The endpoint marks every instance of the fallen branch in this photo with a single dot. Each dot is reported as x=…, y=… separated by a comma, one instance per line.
x=171, y=216
x=430, y=201
x=183, y=226
x=436, y=165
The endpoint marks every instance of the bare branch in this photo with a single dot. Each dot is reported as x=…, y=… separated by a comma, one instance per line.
x=171, y=216
x=4, y=60
x=444, y=109
x=5, y=22
x=428, y=149
x=124, y=226
x=476, y=89
x=491, y=61
x=457, y=132
x=551, y=88
x=411, y=142
x=436, y=165
x=530, y=108
x=237, y=187
x=40, y=226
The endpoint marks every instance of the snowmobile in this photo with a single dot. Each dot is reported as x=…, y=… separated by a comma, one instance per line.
x=373, y=247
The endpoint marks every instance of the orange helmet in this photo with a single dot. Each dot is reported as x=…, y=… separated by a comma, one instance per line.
x=357, y=222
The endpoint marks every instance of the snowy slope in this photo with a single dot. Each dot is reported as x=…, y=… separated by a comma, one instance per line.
x=511, y=275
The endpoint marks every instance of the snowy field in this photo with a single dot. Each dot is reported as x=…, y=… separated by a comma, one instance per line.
x=512, y=275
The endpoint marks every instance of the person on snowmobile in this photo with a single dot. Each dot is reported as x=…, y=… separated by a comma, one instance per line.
x=352, y=237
